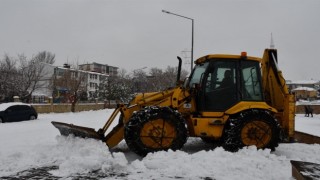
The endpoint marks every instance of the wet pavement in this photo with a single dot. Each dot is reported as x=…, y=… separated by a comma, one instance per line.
x=43, y=173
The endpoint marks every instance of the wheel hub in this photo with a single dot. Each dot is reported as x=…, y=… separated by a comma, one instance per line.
x=157, y=134
x=252, y=133
x=256, y=133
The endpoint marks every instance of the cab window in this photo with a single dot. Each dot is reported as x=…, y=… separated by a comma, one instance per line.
x=220, y=86
x=197, y=73
x=251, y=82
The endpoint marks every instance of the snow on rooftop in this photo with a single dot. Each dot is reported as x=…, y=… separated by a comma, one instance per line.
x=306, y=102
x=303, y=82
x=304, y=89
x=42, y=93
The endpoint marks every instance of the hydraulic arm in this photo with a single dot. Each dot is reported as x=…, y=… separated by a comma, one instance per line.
x=276, y=92
x=165, y=98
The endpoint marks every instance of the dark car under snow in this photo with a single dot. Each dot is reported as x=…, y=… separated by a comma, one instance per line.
x=14, y=111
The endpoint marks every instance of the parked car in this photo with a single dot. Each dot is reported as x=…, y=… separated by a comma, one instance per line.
x=16, y=111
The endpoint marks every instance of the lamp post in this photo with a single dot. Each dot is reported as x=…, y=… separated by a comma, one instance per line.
x=192, y=37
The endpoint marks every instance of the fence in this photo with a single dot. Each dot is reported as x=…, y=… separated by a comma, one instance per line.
x=61, y=108
x=300, y=109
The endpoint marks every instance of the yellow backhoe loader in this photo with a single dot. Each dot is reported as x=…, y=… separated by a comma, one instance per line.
x=236, y=100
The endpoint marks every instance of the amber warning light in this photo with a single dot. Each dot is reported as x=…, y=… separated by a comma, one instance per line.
x=243, y=54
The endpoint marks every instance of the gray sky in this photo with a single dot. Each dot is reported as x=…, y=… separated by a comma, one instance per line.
x=132, y=34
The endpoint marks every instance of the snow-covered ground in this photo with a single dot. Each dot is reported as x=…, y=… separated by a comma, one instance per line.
x=309, y=125
x=35, y=144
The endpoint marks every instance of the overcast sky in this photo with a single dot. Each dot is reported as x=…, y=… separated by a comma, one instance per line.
x=133, y=34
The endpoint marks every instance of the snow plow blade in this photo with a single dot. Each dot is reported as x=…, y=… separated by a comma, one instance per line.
x=78, y=131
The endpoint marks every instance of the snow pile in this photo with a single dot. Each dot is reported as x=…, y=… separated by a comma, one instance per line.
x=248, y=163
x=37, y=143
x=81, y=156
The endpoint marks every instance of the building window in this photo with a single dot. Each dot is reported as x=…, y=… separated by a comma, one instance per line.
x=93, y=85
x=93, y=76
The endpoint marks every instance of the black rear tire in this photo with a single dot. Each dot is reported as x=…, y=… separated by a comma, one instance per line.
x=255, y=127
x=155, y=129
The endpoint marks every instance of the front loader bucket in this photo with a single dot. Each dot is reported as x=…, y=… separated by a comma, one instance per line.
x=79, y=131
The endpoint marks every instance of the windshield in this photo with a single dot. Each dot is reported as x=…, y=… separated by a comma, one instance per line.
x=199, y=69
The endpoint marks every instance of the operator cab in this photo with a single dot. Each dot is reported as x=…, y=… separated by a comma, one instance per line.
x=221, y=82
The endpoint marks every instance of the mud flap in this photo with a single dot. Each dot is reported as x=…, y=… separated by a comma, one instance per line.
x=78, y=131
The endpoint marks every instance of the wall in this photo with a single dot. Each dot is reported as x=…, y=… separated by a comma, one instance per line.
x=305, y=94
x=300, y=109
x=61, y=108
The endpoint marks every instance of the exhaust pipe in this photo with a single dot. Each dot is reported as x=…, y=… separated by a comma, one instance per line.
x=179, y=71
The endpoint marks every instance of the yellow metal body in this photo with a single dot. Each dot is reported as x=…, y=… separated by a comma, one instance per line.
x=168, y=97
x=211, y=124
x=276, y=92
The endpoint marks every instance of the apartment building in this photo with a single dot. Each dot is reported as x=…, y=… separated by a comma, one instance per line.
x=99, y=68
x=93, y=75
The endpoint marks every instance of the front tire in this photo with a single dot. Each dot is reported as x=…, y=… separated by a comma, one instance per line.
x=32, y=117
x=256, y=127
x=155, y=129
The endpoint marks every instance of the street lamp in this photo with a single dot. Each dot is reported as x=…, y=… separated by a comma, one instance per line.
x=164, y=11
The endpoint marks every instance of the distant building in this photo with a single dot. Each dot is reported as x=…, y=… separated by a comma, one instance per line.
x=92, y=80
x=305, y=89
x=304, y=83
x=305, y=93
x=94, y=73
x=99, y=68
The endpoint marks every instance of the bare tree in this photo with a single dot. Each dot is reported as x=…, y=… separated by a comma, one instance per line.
x=34, y=72
x=122, y=87
x=8, y=79
x=156, y=83
x=117, y=87
x=74, y=81
x=140, y=81
x=160, y=80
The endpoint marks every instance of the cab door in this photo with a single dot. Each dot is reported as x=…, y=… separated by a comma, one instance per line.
x=219, y=86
